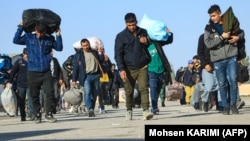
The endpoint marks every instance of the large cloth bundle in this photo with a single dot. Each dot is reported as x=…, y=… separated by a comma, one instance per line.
x=73, y=96
x=156, y=29
x=230, y=22
x=9, y=100
x=95, y=43
x=31, y=16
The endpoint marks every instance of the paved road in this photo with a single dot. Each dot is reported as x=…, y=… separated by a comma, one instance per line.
x=112, y=126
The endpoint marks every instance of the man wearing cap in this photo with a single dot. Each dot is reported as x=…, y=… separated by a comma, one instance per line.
x=188, y=81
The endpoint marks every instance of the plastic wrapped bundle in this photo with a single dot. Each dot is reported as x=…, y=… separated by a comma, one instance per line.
x=156, y=29
x=31, y=16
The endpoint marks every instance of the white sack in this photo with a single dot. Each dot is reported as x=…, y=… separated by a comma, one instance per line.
x=9, y=100
x=95, y=42
x=124, y=94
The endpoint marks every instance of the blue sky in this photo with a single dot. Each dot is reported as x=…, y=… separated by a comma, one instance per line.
x=104, y=19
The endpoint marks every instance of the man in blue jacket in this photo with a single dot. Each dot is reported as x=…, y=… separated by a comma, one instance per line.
x=132, y=58
x=39, y=45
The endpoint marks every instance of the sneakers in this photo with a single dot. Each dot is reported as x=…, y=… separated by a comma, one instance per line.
x=38, y=118
x=82, y=111
x=219, y=108
x=129, y=115
x=71, y=109
x=31, y=117
x=23, y=119
x=205, y=106
x=226, y=111
x=156, y=111
x=240, y=104
x=137, y=106
x=50, y=118
x=91, y=113
x=147, y=115
x=234, y=109
x=163, y=104
x=102, y=111
x=196, y=106
x=115, y=106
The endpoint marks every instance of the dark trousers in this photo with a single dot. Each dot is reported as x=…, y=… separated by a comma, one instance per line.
x=115, y=94
x=36, y=81
x=21, y=97
x=183, y=100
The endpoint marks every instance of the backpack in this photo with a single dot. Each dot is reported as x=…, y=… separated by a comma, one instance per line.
x=243, y=73
x=5, y=65
x=5, y=62
x=180, y=74
x=241, y=50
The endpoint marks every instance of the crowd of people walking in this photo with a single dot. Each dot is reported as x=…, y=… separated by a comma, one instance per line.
x=209, y=79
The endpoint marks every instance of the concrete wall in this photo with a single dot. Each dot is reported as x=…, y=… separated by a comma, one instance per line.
x=244, y=89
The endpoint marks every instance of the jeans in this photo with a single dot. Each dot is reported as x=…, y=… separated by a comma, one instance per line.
x=210, y=84
x=198, y=90
x=29, y=102
x=226, y=73
x=155, y=84
x=91, y=87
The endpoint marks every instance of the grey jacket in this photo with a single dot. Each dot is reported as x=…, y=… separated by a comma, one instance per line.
x=219, y=48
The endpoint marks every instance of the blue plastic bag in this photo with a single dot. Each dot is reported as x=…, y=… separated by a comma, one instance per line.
x=155, y=28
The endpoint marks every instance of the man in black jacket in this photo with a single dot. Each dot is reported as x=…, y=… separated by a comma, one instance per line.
x=19, y=71
x=132, y=57
x=57, y=76
x=208, y=76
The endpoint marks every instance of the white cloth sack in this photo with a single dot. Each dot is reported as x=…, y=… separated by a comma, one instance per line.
x=134, y=96
x=156, y=29
x=9, y=100
x=73, y=96
x=95, y=42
